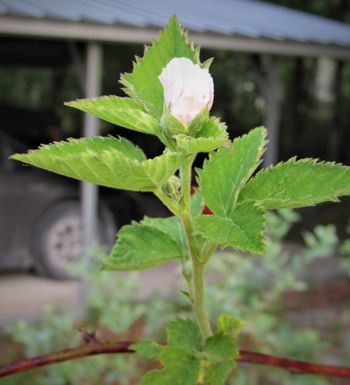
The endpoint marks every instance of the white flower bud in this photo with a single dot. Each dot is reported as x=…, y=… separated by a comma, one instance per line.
x=188, y=89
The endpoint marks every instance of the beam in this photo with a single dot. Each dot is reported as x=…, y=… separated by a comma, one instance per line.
x=89, y=191
x=84, y=31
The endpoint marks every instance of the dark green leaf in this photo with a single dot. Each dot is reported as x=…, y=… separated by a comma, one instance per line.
x=140, y=246
x=305, y=182
x=143, y=83
x=226, y=171
x=242, y=229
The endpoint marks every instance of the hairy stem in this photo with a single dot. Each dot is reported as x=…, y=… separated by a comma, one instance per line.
x=197, y=288
x=198, y=299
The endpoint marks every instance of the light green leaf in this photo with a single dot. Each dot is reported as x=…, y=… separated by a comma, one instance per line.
x=220, y=347
x=212, y=135
x=305, y=182
x=123, y=112
x=143, y=83
x=140, y=246
x=242, y=229
x=105, y=161
x=172, y=226
x=221, y=352
x=229, y=325
x=184, y=334
x=147, y=349
x=226, y=171
x=180, y=368
x=196, y=204
x=216, y=373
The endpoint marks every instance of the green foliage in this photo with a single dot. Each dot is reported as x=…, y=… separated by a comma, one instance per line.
x=177, y=357
x=238, y=201
x=184, y=359
x=229, y=325
x=143, y=83
x=242, y=229
x=220, y=354
x=209, y=137
x=297, y=184
x=123, y=112
x=110, y=162
x=226, y=171
x=144, y=245
x=147, y=349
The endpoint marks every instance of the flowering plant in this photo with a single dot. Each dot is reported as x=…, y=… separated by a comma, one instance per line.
x=170, y=93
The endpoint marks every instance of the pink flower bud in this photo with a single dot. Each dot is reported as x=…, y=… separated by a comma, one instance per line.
x=188, y=89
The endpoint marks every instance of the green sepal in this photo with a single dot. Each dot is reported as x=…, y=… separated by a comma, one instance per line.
x=298, y=183
x=198, y=121
x=105, y=161
x=207, y=63
x=228, y=169
x=210, y=136
x=143, y=83
x=243, y=229
x=171, y=125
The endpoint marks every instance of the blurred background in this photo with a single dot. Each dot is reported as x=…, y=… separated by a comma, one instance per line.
x=284, y=64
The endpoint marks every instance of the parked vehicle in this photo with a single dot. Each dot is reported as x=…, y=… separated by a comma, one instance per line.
x=40, y=219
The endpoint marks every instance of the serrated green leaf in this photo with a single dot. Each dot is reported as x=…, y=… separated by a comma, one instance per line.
x=171, y=226
x=226, y=171
x=124, y=112
x=140, y=246
x=105, y=161
x=221, y=352
x=180, y=368
x=229, y=325
x=184, y=334
x=196, y=204
x=220, y=347
x=242, y=229
x=305, y=182
x=143, y=83
x=147, y=349
x=212, y=135
x=216, y=373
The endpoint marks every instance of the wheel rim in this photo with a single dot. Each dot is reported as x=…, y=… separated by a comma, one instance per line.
x=64, y=242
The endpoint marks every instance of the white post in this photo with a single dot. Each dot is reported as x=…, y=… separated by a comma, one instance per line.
x=271, y=96
x=89, y=192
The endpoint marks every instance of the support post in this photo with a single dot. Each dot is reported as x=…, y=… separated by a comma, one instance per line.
x=89, y=192
x=271, y=96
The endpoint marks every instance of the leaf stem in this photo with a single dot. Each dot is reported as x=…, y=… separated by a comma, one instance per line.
x=167, y=201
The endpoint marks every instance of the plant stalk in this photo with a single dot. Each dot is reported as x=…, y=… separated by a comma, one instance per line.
x=197, y=266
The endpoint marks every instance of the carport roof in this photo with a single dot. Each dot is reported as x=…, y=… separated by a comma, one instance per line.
x=246, y=25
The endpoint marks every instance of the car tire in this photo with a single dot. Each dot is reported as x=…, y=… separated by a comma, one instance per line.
x=57, y=238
